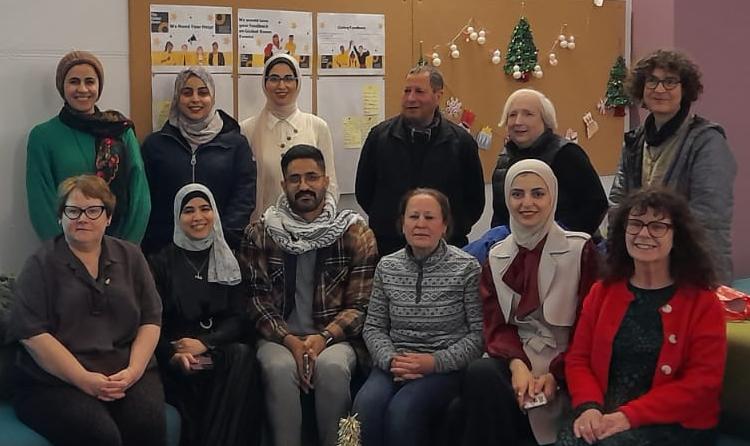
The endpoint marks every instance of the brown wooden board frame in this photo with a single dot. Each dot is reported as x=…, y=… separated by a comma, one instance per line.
x=575, y=85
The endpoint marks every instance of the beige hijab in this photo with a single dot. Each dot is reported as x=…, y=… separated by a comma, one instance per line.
x=525, y=236
x=281, y=112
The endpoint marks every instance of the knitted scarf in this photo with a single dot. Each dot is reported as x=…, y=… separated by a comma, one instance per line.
x=296, y=235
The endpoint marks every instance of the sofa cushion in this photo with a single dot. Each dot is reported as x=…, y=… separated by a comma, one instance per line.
x=6, y=298
x=14, y=432
x=7, y=352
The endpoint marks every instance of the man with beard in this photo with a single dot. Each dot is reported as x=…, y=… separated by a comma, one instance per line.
x=307, y=269
x=419, y=148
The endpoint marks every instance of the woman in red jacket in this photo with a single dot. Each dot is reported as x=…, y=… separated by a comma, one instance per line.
x=647, y=359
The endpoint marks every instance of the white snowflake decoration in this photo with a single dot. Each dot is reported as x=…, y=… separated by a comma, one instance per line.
x=453, y=107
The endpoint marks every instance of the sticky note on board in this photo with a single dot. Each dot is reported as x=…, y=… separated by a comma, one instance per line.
x=352, y=132
x=371, y=100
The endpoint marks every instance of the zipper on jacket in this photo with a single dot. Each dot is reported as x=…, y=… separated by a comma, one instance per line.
x=193, y=160
x=420, y=271
x=192, y=164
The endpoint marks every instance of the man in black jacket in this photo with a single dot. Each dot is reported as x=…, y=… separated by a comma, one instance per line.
x=419, y=148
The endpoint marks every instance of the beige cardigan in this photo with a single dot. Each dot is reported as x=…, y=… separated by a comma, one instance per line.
x=270, y=137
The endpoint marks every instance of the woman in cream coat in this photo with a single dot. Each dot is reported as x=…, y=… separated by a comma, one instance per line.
x=280, y=126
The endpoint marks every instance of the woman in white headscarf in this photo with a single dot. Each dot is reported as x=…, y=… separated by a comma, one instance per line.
x=280, y=126
x=531, y=290
x=199, y=144
x=207, y=364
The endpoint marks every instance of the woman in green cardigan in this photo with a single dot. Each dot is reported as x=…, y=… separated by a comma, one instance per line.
x=83, y=139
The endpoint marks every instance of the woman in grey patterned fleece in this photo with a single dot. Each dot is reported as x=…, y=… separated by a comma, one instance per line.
x=423, y=327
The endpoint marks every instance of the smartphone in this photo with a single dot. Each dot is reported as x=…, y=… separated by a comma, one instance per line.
x=538, y=400
x=306, y=365
x=205, y=362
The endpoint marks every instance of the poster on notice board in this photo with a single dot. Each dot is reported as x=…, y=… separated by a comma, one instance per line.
x=263, y=33
x=191, y=35
x=351, y=44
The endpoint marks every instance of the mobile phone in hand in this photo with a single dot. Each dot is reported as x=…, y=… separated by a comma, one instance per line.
x=205, y=362
x=306, y=366
x=538, y=400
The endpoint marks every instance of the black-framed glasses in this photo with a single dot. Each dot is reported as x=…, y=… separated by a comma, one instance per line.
x=275, y=79
x=310, y=178
x=75, y=212
x=655, y=229
x=669, y=83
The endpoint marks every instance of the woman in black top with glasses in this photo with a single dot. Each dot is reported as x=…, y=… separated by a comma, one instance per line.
x=87, y=315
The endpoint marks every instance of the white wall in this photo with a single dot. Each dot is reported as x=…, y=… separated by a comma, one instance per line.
x=35, y=34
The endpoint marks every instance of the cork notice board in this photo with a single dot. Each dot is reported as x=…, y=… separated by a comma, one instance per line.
x=575, y=85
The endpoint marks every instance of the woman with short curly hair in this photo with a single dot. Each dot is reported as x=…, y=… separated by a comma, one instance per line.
x=680, y=150
x=647, y=360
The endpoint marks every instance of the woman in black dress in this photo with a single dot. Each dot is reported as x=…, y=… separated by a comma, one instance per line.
x=207, y=366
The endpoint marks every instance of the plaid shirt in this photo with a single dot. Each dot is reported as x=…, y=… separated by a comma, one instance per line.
x=343, y=282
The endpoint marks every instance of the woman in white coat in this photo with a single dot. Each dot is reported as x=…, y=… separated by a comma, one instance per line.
x=280, y=126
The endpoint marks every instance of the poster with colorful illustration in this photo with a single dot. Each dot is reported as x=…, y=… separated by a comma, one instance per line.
x=351, y=44
x=191, y=35
x=263, y=33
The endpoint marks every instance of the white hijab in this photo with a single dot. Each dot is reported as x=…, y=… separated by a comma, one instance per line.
x=525, y=236
x=204, y=130
x=223, y=267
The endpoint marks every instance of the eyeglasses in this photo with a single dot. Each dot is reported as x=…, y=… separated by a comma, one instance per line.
x=274, y=79
x=310, y=178
x=92, y=212
x=655, y=229
x=669, y=83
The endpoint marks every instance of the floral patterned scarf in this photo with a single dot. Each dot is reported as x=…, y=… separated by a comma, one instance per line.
x=107, y=128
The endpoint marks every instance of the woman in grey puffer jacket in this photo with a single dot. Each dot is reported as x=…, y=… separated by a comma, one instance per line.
x=680, y=150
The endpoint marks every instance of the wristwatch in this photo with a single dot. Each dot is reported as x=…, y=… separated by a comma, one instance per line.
x=327, y=336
